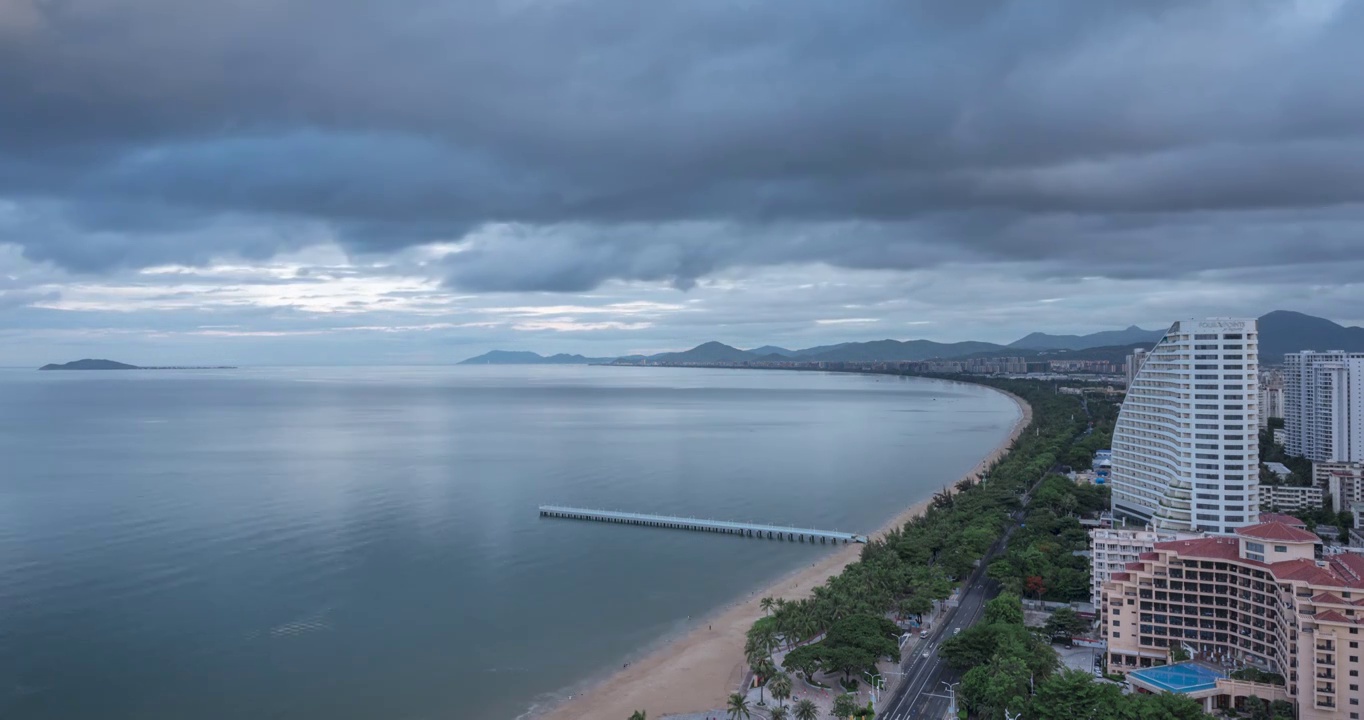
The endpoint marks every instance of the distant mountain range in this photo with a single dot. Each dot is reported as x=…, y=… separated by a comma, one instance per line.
x=1284, y=331
x=1281, y=332
x=1132, y=335
x=89, y=364
x=522, y=357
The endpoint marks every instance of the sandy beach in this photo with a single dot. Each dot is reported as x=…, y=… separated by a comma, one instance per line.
x=698, y=671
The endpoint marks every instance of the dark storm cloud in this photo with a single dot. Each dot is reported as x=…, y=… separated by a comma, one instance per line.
x=566, y=142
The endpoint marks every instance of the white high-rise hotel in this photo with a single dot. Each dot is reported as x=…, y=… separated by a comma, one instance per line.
x=1186, y=450
x=1324, y=406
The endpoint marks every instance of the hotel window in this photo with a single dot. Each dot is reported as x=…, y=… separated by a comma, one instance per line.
x=1280, y=548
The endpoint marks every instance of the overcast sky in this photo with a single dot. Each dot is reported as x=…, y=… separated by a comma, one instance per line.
x=354, y=181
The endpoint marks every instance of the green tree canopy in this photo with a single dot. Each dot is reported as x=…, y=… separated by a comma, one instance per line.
x=1007, y=609
x=1065, y=621
x=845, y=706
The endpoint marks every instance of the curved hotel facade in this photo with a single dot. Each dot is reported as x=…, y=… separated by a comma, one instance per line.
x=1186, y=446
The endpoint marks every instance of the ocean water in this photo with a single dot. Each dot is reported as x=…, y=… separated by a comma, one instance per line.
x=364, y=543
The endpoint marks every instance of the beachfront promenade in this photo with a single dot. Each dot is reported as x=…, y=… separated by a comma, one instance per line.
x=770, y=532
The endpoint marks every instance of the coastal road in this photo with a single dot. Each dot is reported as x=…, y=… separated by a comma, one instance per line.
x=922, y=694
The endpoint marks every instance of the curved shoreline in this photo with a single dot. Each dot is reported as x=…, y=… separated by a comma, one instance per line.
x=697, y=671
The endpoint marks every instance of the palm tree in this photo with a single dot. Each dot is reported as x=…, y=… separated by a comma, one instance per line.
x=806, y=710
x=764, y=669
x=639, y=715
x=779, y=713
x=738, y=707
x=766, y=605
x=766, y=639
x=780, y=685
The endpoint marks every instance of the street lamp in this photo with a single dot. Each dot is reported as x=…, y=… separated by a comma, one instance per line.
x=875, y=682
x=951, y=694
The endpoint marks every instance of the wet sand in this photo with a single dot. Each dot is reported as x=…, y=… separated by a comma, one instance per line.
x=699, y=670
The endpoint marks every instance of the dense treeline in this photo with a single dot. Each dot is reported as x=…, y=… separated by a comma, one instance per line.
x=1046, y=558
x=903, y=573
x=1103, y=415
x=1011, y=672
x=1007, y=667
x=1043, y=561
x=1300, y=468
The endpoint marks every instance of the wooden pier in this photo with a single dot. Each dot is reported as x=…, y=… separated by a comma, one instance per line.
x=770, y=532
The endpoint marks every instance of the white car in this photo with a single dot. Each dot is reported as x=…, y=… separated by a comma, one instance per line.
x=957, y=631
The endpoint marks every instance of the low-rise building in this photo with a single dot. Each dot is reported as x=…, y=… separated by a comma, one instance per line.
x=1287, y=498
x=1322, y=471
x=1344, y=483
x=1266, y=597
x=1279, y=469
x=1113, y=548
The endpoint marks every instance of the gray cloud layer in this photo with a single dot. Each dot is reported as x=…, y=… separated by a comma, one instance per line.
x=568, y=142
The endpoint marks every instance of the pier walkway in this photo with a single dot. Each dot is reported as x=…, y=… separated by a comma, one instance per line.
x=770, y=532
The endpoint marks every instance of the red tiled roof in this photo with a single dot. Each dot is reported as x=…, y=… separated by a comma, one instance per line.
x=1329, y=598
x=1338, y=571
x=1288, y=520
x=1277, y=531
x=1303, y=570
x=1212, y=548
x=1148, y=556
x=1335, y=617
x=1349, y=566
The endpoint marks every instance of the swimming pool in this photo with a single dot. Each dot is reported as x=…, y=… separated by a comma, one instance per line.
x=1187, y=677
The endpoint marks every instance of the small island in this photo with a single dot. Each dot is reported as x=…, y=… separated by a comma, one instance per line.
x=89, y=364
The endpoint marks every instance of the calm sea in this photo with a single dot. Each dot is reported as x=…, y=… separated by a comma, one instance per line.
x=364, y=543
